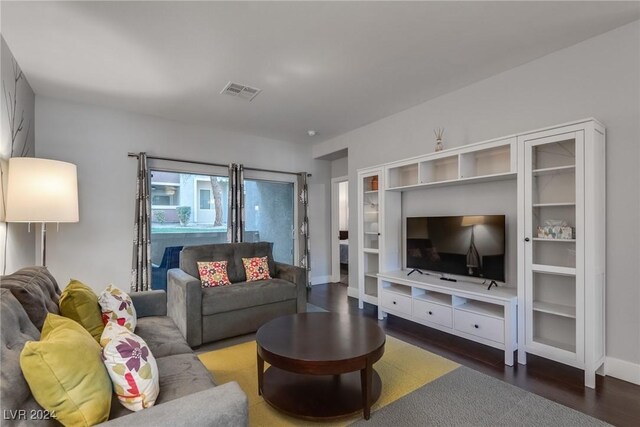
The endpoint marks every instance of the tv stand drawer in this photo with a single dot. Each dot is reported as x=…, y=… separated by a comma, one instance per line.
x=479, y=325
x=396, y=302
x=431, y=312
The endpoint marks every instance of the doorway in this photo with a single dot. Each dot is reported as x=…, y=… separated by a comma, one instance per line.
x=340, y=230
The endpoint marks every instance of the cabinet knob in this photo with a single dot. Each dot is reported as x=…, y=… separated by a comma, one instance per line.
x=476, y=326
x=526, y=239
x=378, y=234
x=431, y=312
x=394, y=302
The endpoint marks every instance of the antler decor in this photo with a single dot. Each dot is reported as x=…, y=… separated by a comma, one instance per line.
x=439, y=132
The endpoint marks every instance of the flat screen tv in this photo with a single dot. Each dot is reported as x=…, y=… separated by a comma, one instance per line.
x=472, y=245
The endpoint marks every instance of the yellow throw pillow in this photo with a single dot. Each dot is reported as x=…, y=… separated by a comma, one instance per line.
x=65, y=373
x=78, y=302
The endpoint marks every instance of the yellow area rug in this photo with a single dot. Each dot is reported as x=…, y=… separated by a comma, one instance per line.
x=403, y=368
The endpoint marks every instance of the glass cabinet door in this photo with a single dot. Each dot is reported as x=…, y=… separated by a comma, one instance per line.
x=369, y=235
x=371, y=213
x=553, y=239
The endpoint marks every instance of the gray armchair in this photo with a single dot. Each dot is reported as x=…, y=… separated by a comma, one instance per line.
x=210, y=314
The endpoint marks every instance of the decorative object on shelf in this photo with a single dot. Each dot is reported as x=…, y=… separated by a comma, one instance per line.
x=374, y=183
x=439, y=132
x=556, y=229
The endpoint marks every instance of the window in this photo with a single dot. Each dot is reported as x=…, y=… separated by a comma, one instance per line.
x=205, y=199
x=165, y=194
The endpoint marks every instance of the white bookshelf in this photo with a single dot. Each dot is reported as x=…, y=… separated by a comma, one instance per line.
x=560, y=173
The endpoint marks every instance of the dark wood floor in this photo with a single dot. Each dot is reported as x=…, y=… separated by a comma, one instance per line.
x=614, y=401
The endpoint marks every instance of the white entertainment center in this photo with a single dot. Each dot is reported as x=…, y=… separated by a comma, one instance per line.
x=556, y=308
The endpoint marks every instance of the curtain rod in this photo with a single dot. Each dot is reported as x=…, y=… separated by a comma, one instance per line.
x=196, y=162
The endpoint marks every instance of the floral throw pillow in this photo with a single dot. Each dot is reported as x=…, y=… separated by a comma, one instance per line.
x=213, y=273
x=256, y=268
x=117, y=306
x=131, y=366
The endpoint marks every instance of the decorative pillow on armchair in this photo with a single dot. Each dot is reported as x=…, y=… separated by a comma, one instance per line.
x=213, y=273
x=256, y=268
x=131, y=366
x=117, y=307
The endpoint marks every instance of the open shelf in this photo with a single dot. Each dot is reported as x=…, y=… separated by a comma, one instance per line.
x=548, y=205
x=370, y=251
x=541, y=239
x=490, y=161
x=398, y=289
x=401, y=176
x=439, y=170
x=371, y=192
x=430, y=296
x=371, y=286
x=556, y=309
x=484, y=308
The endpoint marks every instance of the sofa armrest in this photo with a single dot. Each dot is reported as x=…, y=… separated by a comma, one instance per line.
x=149, y=303
x=295, y=275
x=225, y=405
x=184, y=304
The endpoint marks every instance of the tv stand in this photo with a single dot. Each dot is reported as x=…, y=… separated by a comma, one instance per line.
x=460, y=308
x=415, y=270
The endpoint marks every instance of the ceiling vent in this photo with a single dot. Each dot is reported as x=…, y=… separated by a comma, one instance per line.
x=240, y=91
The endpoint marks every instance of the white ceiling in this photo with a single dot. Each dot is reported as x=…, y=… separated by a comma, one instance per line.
x=328, y=66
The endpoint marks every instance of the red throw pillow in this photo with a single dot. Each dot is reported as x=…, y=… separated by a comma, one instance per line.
x=213, y=273
x=256, y=268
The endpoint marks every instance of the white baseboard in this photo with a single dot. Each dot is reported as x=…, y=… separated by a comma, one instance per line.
x=352, y=292
x=320, y=280
x=621, y=369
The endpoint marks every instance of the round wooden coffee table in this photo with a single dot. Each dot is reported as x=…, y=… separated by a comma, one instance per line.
x=315, y=359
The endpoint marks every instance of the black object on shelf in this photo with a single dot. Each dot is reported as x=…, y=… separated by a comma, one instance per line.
x=415, y=269
x=448, y=279
x=492, y=283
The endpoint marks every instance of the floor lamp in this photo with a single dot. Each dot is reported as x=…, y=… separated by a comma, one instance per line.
x=41, y=190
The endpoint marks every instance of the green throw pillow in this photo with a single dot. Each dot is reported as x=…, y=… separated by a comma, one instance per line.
x=65, y=373
x=78, y=302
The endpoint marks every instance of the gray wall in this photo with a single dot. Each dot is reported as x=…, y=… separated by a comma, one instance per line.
x=339, y=167
x=98, y=249
x=20, y=244
x=596, y=78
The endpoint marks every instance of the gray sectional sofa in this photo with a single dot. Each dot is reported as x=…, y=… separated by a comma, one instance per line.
x=188, y=395
x=210, y=314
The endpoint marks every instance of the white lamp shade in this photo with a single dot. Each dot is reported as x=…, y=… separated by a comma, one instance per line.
x=41, y=190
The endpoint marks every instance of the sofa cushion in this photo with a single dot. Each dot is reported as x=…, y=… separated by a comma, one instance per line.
x=117, y=307
x=36, y=290
x=256, y=268
x=246, y=294
x=65, y=373
x=213, y=273
x=231, y=252
x=162, y=336
x=17, y=329
x=78, y=302
x=180, y=375
x=131, y=366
